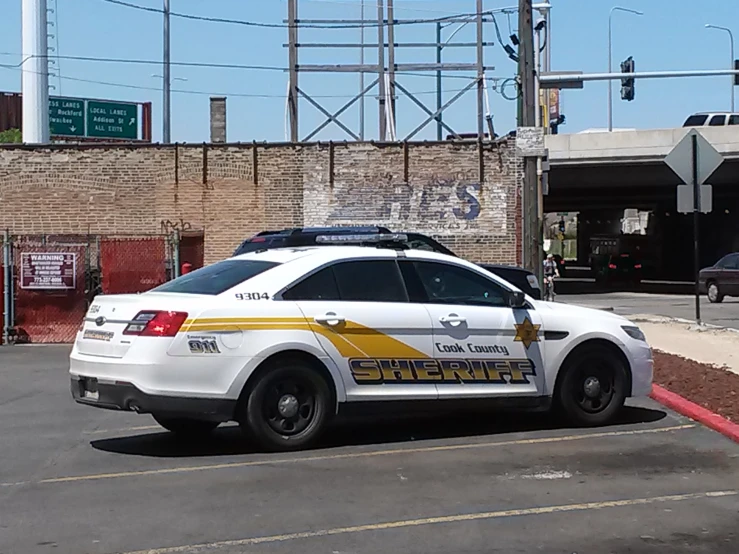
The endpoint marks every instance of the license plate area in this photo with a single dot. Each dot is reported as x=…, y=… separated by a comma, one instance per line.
x=89, y=388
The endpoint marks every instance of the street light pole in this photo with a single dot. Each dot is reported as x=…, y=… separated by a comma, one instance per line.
x=166, y=108
x=731, y=66
x=610, y=58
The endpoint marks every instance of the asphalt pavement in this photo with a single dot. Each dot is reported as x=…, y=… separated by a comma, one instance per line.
x=725, y=314
x=74, y=479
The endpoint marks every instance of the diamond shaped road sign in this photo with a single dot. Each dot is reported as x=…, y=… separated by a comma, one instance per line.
x=680, y=159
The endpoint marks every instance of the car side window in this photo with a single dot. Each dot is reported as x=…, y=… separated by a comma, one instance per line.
x=451, y=284
x=717, y=120
x=695, y=121
x=370, y=281
x=319, y=286
x=734, y=120
x=732, y=262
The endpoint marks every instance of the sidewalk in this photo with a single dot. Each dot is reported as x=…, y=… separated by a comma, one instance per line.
x=707, y=345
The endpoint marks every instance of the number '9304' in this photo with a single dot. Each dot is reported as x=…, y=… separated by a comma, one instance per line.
x=252, y=296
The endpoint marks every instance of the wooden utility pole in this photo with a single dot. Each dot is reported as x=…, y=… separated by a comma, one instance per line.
x=532, y=251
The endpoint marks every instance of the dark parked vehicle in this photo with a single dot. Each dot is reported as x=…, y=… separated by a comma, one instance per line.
x=517, y=276
x=617, y=258
x=721, y=279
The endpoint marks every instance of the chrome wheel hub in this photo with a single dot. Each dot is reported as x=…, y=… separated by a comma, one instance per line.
x=591, y=387
x=287, y=405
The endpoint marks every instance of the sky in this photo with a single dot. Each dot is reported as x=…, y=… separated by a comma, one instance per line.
x=671, y=35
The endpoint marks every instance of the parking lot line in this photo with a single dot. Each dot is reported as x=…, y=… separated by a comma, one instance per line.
x=368, y=454
x=184, y=549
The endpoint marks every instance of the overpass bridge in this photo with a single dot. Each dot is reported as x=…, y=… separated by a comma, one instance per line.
x=599, y=174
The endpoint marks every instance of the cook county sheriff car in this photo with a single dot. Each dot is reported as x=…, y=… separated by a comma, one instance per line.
x=282, y=340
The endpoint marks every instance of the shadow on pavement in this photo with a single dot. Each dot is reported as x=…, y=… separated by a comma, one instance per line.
x=228, y=440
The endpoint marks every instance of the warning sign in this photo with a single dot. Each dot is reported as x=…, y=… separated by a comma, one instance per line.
x=48, y=270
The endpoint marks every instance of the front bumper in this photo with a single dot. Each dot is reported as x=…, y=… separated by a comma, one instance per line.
x=118, y=395
x=642, y=370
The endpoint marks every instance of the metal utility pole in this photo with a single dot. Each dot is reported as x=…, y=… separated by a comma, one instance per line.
x=731, y=53
x=292, y=97
x=439, y=99
x=532, y=256
x=480, y=76
x=35, y=71
x=391, y=56
x=166, y=106
x=381, y=67
x=361, y=73
x=545, y=9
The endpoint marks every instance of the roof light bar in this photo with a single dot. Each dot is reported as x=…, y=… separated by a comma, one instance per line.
x=359, y=239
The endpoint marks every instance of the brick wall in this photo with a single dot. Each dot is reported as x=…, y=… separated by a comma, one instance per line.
x=232, y=191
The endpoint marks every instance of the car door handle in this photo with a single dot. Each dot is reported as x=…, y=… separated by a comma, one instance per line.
x=453, y=318
x=329, y=319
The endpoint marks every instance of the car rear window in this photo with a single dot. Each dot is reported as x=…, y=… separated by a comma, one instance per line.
x=216, y=278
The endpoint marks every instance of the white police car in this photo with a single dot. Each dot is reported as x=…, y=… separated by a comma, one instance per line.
x=284, y=339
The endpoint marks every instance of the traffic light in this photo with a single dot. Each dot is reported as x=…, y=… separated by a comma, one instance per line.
x=627, y=83
x=561, y=225
x=736, y=75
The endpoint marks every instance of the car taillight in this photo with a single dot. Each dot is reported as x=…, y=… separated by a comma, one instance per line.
x=637, y=266
x=156, y=324
x=611, y=266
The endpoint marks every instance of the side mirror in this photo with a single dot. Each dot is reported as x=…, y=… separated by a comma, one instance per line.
x=516, y=299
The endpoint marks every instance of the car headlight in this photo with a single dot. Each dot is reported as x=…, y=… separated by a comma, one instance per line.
x=634, y=332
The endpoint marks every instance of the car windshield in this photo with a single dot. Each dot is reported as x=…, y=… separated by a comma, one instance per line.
x=217, y=278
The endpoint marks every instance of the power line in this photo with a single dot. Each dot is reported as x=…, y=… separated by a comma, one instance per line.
x=214, y=65
x=158, y=62
x=261, y=24
x=207, y=93
x=403, y=8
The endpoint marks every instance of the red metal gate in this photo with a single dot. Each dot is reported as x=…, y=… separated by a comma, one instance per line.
x=130, y=265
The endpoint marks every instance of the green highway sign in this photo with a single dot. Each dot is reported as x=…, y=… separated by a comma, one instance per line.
x=112, y=120
x=79, y=117
x=67, y=117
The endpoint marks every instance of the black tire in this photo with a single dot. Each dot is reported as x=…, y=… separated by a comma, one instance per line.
x=591, y=389
x=714, y=292
x=185, y=427
x=287, y=408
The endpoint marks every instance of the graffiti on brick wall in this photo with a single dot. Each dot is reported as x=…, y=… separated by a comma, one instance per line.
x=167, y=226
x=441, y=205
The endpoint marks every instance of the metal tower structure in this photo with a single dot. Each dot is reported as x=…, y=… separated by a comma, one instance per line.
x=384, y=73
x=35, y=72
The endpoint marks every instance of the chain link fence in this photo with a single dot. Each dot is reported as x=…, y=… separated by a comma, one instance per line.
x=49, y=281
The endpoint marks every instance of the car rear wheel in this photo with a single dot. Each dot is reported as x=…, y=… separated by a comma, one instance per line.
x=287, y=408
x=714, y=293
x=592, y=388
x=185, y=427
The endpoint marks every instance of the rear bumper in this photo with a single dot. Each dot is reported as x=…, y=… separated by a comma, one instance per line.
x=122, y=396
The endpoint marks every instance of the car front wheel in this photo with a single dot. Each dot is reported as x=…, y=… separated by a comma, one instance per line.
x=592, y=387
